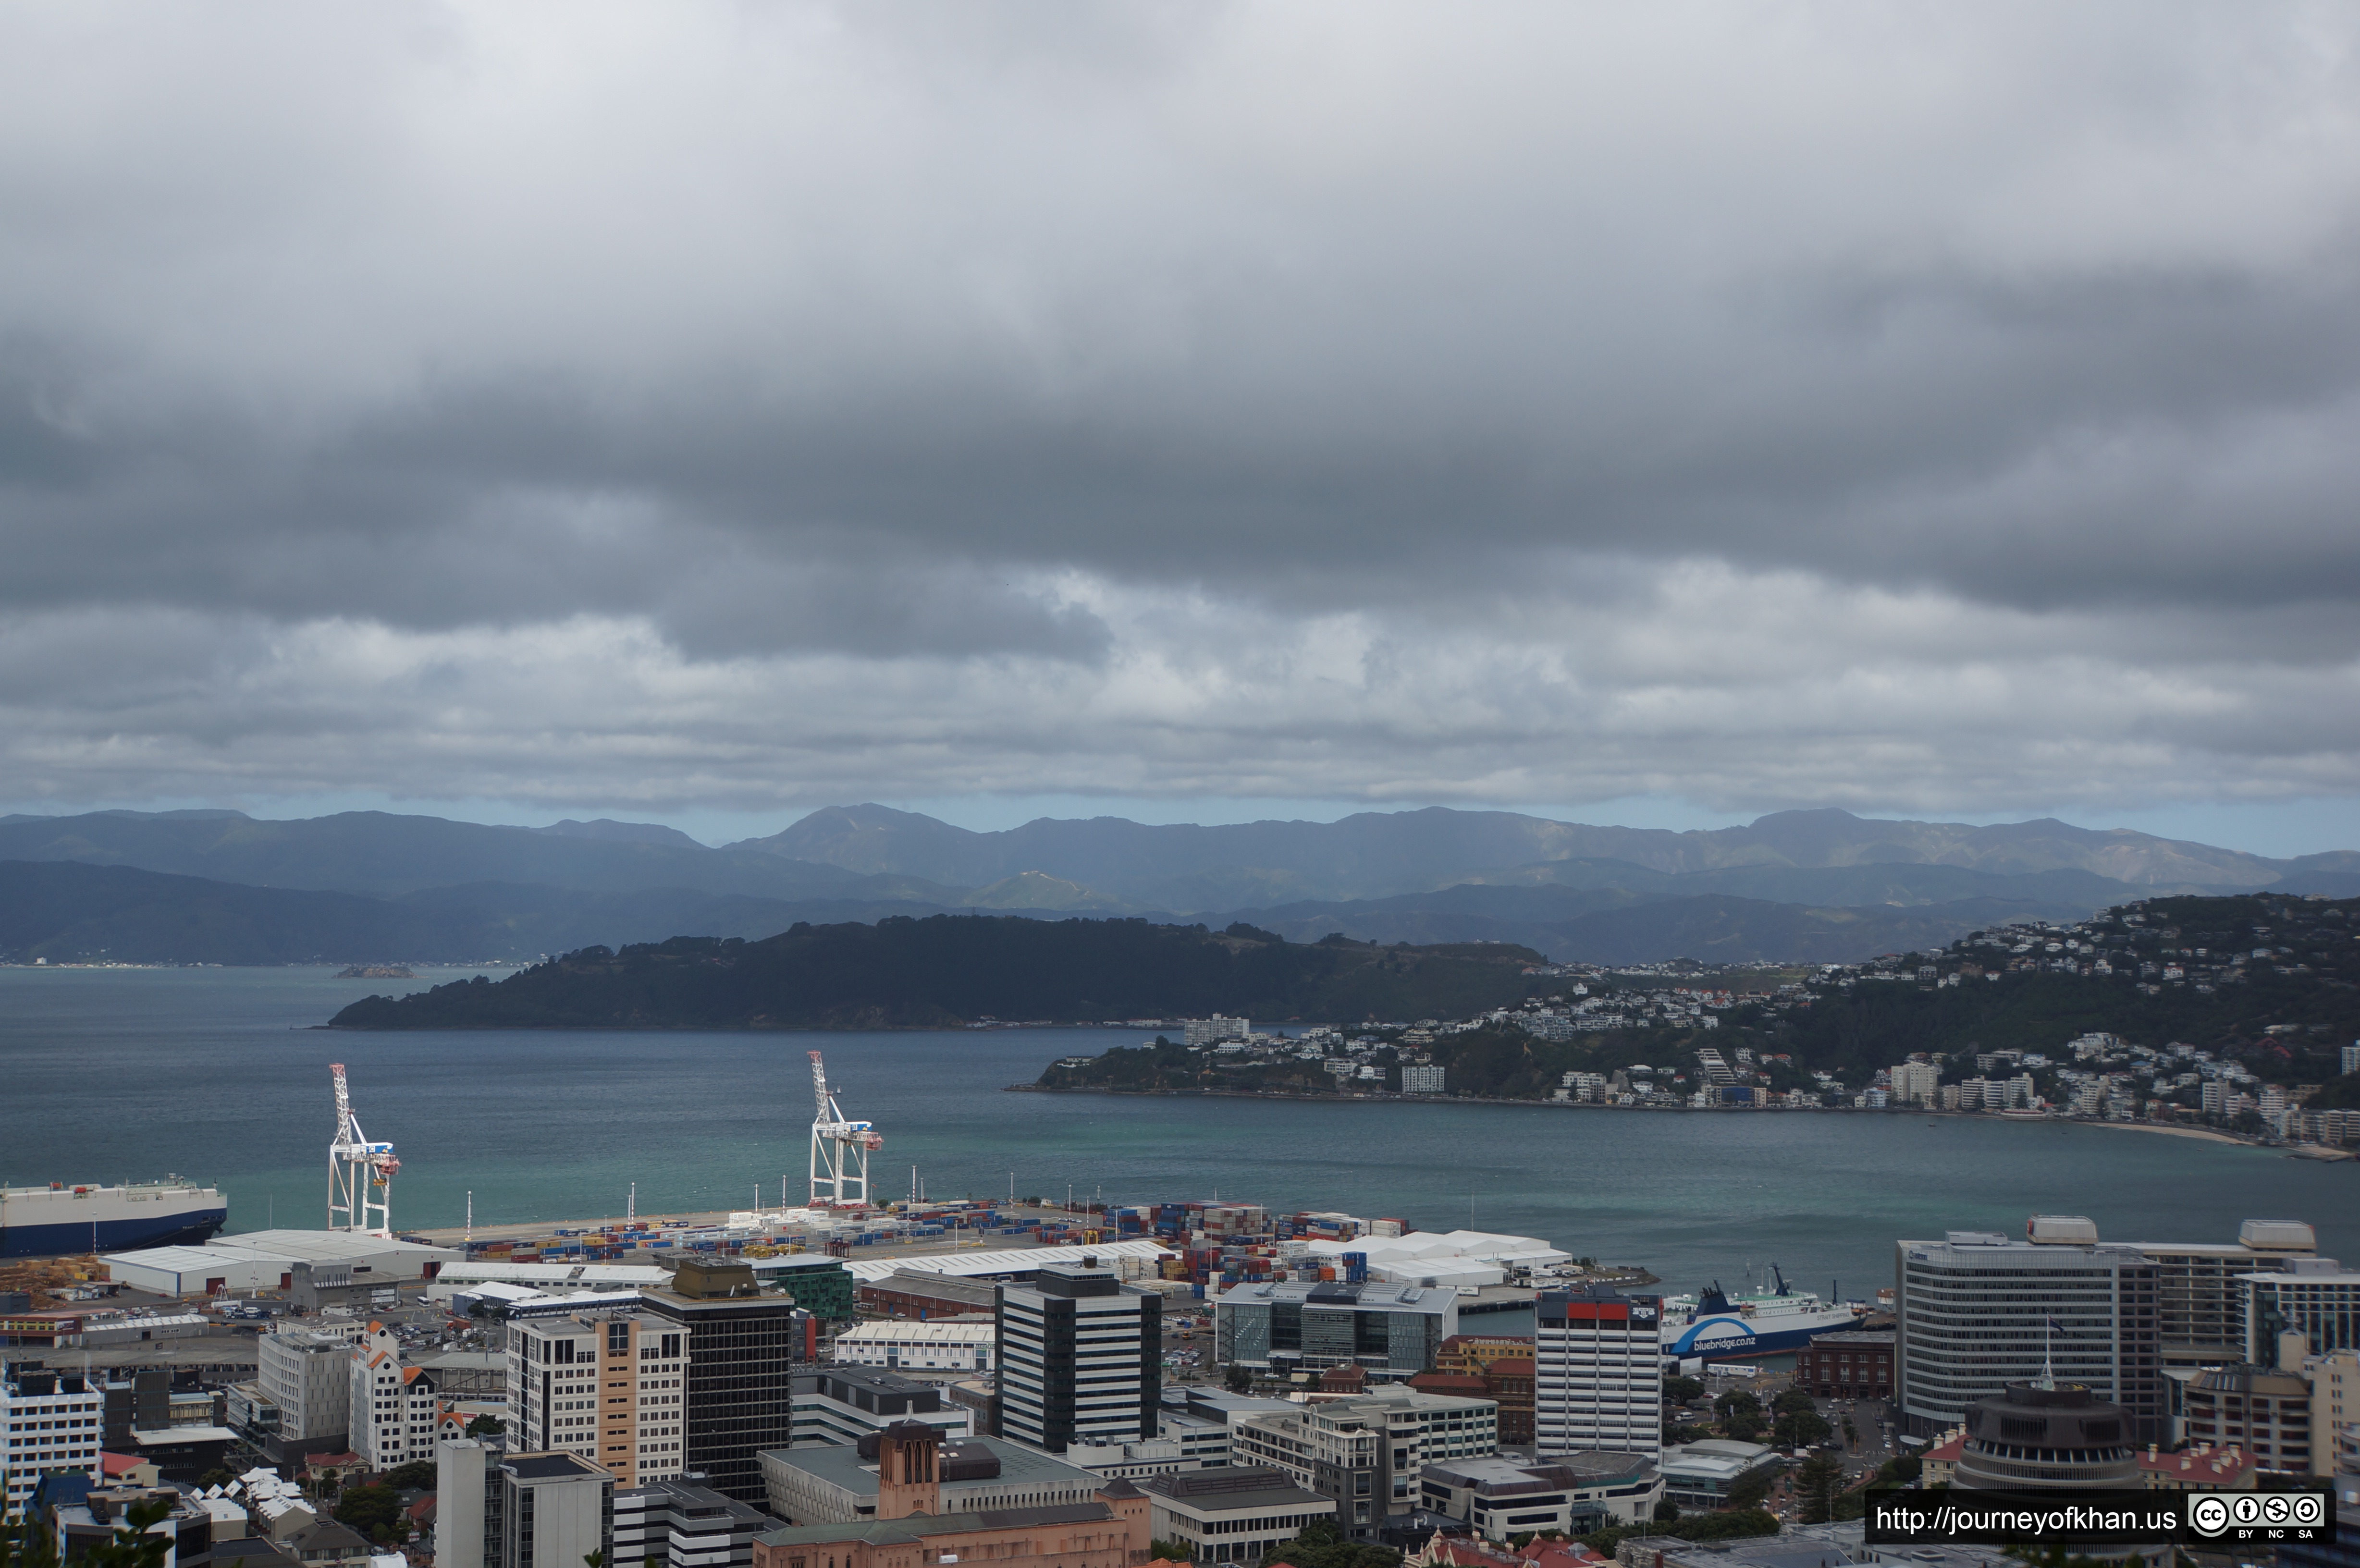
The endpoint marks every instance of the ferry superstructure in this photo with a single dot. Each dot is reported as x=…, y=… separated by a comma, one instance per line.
x=1716, y=1327
x=47, y=1222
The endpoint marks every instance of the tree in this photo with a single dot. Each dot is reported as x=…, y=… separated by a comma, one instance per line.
x=1817, y=1481
x=1749, y=1491
x=216, y=1476
x=1801, y=1429
x=1667, y=1512
x=486, y=1426
x=1322, y=1545
x=1679, y=1390
x=1167, y=1551
x=365, y=1508
x=415, y=1477
x=1238, y=1378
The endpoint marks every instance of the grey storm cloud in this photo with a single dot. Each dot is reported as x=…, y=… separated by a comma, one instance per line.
x=1286, y=375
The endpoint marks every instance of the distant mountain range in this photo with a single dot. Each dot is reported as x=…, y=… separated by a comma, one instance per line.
x=220, y=886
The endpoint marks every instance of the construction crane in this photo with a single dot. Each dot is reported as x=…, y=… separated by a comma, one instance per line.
x=839, y=1149
x=360, y=1173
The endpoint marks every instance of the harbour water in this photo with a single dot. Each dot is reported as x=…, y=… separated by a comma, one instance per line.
x=214, y=1074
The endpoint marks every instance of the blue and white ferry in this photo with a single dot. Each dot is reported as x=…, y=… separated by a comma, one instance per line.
x=1716, y=1327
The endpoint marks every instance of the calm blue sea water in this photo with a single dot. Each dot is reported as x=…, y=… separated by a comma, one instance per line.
x=108, y=1074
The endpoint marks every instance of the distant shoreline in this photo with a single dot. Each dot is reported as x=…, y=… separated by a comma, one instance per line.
x=2204, y=1133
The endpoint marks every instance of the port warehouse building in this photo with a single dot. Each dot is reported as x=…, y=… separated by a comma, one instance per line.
x=265, y=1261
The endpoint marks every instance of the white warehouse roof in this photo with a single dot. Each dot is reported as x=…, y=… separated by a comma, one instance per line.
x=905, y=1332
x=1015, y=1260
x=541, y=1275
x=1452, y=1257
x=261, y=1259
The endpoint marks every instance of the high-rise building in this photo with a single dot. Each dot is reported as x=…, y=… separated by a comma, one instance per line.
x=740, y=1347
x=1976, y=1312
x=1422, y=1080
x=54, y=1422
x=2317, y=1298
x=1080, y=1358
x=2352, y=1057
x=308, y=1379
x=1597, y=1372
x=391, y=1406
x=468, y=1529
x=1917, y=1082
x=555, y=1509
x=2199, y=1292
x=605, y=1385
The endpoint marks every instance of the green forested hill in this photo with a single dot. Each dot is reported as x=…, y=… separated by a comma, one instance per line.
x=951, y=969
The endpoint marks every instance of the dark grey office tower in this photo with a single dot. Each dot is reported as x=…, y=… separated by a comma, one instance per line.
x=739, y=1385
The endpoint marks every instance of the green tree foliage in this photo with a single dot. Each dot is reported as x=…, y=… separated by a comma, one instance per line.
x=1679, y=1390
x=948, y=968
x=1817, y=1481
x=415, y=1477
x=1667, y=1512
x=1801, y=1429
x=1749, y=1491
x=1322, y=1545
x=1731, y=1524
x=1168, y=1552
x=486, y=1426
x=367, y=1508
x=1239, y=1378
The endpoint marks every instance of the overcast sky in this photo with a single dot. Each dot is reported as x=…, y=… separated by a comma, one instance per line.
x=704, y=412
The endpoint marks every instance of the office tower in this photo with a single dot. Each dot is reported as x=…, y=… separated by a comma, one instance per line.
x=1597, y=1372
x=603, y=1384
x=54, y=1422
x=1080, y=1358
x=2317, y=1298
x=308, y=1379
x=738, y=1348
x=1976, y=1312
x=2201, y=1291
x=555, y=1509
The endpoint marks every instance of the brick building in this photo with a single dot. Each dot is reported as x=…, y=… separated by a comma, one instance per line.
x=1504, y=1362
x=1856, y=1364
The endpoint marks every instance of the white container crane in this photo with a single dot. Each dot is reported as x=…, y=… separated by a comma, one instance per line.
x=360, y=1173
x=839, y=1149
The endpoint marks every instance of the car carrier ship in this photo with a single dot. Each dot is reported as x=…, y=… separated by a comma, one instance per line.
x=46, y=1222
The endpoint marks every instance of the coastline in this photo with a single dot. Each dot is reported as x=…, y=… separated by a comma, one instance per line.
x=2204, y=1134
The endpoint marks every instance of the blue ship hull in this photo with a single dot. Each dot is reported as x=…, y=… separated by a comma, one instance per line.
x=187, y=1227
x=1735, y=1339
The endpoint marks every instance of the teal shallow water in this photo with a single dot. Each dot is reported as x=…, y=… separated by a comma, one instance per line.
x=108, y=1074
